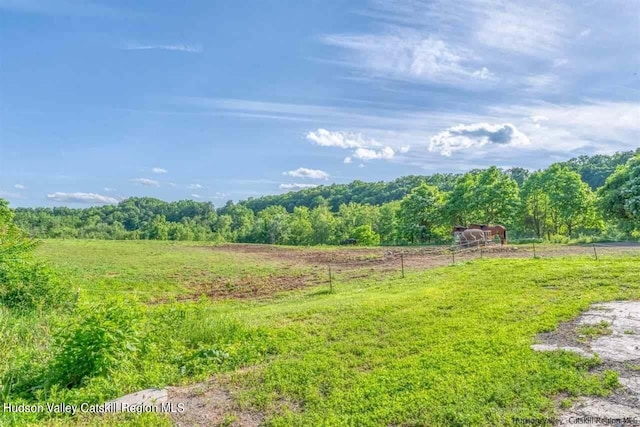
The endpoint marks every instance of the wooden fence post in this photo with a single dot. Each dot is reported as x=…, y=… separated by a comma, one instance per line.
x=330, y=280
x=402, y=263
x=595, y=252
x=534, y=249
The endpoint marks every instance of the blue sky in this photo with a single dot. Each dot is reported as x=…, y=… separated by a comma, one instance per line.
x=213, y=100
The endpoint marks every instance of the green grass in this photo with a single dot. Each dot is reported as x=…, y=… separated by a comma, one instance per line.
x=443, y=347
x=148, y=270
x=594, y=330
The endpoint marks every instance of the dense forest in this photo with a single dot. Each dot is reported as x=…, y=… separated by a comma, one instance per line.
x=596, y=196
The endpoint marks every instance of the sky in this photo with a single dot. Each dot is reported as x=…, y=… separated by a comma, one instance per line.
x=225, y=100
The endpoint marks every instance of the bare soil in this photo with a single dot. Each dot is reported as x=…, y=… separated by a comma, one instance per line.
x=420, y=257
x=210, y=403
x=355, y=262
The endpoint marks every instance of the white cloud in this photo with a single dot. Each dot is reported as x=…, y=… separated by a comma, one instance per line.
x=538, y=119
x=194, y=186
x=365, y=149
x=483, y=73
x=19, y=186
x=307, y=173
x=584, y=127
x=175, y=47
x=405, y=54
x=90, y=198
x=196, y=196
x=369, y=154
x=530, y=28
x=159, y=170
x=463, y=137
x=109, y=189
x=451, y=43
x=405, y=149
x=218, y=195
x=146, y=181
x=296, y=186
x=326, y=138
x=600, y=126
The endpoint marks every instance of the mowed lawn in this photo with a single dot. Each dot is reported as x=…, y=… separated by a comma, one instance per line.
x=443, y=347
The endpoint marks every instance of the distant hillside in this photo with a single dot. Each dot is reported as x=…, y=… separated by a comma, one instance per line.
x=372, y=193
x=547, y=203
x=594, y=170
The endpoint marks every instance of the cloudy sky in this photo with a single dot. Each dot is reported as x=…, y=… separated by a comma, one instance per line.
x=218, y=100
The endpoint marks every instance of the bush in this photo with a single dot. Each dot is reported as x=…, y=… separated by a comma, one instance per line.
x=25, y=283
x=365, y=236
x=100, y=338
x=28, y=285
x=557, y=238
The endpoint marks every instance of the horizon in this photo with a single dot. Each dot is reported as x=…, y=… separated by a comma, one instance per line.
x=82, y=205
x=106, y=101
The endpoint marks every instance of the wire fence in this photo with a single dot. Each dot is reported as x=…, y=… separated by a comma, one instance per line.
x=336, y=266
x=399, y=260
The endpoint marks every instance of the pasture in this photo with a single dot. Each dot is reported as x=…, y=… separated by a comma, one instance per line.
x=259, y=333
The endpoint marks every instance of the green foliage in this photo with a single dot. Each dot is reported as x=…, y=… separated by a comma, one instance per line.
x=620, y=196
x=301, y=228
x=388, y=222
x=557, y=200
x=365, y=236
x=109, y=348
x=98, y=338
x=272, y=225
x=593, y=330
x=29, y=284
x=571, y=201
x=536, y=205
x=376, y=352
x=594, y=170
x=489, y=197
x=26, y=283
x=420, y=214
x=495, y=197
x=364, y=193
x=450, y=340
x=323, y=224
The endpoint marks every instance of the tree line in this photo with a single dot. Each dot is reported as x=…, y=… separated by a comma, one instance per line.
x=587, y=196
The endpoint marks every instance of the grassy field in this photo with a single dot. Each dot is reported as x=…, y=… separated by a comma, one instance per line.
x=447, y=346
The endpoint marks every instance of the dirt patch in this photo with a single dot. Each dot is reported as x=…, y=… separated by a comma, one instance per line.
x=421, y=257
x=251, y=286
x=210, y=403
x=348, y=263
x=612, y=331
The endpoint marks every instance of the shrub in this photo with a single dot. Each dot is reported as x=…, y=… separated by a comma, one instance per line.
x=28, y=284
x=101, y=337
x=557, y=238
x=25, y=283
x=365, y=236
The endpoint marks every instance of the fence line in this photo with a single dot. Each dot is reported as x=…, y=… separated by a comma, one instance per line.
x=415, y=260
x=397, y=261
